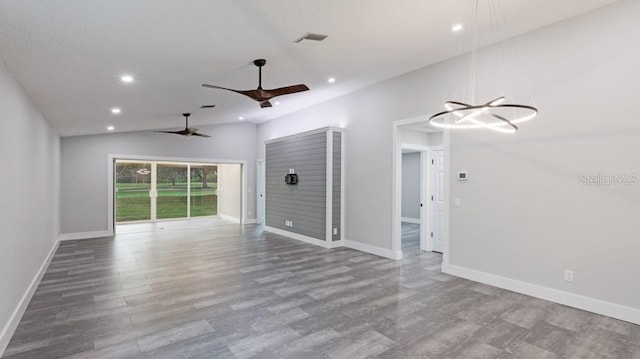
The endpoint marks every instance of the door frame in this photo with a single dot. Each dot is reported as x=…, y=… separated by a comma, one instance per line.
x=396, y=193
x=111, y=158
x=432, y=192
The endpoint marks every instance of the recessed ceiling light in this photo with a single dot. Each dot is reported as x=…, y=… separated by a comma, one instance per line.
x=126, y=78
x=276, y=103
x=115, y=111
x=456, y=27
x=110, y=128
x=331, y=80
x=240, y=118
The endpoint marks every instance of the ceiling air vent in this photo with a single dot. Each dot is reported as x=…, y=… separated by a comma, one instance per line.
x=310, y=36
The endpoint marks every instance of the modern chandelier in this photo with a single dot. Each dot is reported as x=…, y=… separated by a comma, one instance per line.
x=494, y=115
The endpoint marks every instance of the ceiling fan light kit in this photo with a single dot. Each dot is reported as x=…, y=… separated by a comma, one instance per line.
x=493, y=115
x=261, y=95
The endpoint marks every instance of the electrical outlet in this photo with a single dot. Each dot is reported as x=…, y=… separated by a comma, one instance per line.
x=335, y=231
x=568, y=275
x=290, y=223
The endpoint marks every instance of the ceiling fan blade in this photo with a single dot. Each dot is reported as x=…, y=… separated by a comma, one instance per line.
x=288, y=90
x=253, y=94
x=217, y=87
x=261, y=95
x=200, y=134
x=181, y=132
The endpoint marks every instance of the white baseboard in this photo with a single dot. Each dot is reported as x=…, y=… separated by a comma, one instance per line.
x=229, y=218
x=10, y=328
x=336, y=244
x=84, y=235
x=597, y=306
x=411, y=220
x=382, y=252
x=300, y=237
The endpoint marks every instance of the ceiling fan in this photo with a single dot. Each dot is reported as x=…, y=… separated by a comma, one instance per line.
x=261, y=95
x=187, y=131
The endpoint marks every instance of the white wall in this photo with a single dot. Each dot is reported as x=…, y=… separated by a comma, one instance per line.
x=229, y=191
x=412, y=137
x=411, y=185
x=436, y=138
x=29, y=209
x=524, y=214
x=85, y=161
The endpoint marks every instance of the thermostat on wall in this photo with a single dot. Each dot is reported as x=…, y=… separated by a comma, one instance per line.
x=463, y=176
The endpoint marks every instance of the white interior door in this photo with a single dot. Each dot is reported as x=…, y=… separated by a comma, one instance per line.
x=438, y=200
x=261, y=192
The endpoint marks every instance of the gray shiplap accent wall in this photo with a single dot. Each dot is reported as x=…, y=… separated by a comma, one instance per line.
x=304, y=203
x=337, y=185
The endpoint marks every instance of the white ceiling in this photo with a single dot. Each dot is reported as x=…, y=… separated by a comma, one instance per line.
x=68, y=55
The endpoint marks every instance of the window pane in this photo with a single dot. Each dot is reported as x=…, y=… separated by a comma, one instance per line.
x=172, y=191
x=133, y=183
x=204, y=184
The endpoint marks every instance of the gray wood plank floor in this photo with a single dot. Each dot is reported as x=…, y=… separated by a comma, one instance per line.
x=227, y=291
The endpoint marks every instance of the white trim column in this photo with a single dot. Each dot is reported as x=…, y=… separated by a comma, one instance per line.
x=189, y=189
x=153, y=193
x=329, y=189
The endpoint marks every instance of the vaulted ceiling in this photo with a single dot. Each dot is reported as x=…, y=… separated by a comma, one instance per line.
x=69, y=55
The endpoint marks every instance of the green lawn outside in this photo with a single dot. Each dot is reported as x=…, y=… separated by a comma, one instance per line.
x=171, y=207
x=133, y=209
x=139, y=208
x=180, y=189
x=136, y=186
x=133, y=202
x=204, y=206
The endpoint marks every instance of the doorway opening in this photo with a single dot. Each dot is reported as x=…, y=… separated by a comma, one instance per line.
x=412, y=198
x=147, y=191
x=419, y=182
x=422, y=197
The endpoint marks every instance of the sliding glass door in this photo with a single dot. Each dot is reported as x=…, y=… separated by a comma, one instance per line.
x=172, y=186
x=133, y=184
x=204, y=184
x=153, y=190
